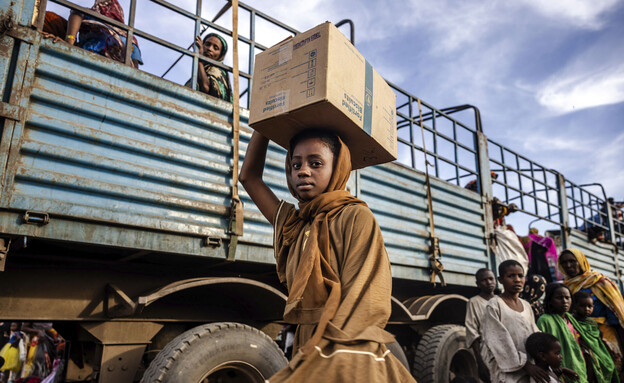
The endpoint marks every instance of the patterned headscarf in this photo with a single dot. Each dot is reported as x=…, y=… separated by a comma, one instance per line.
x=109, y=8
x=602, y=287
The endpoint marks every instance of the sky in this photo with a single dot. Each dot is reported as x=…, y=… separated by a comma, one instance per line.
x=547, y=76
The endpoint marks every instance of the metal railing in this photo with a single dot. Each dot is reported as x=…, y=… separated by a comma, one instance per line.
x=451, y=145
x=586, y=210
x=533, y=188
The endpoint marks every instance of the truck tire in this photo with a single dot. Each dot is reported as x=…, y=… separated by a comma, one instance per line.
x=217, y=352
x=441, y=355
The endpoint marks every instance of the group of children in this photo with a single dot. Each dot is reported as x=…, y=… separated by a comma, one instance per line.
x=563, y=345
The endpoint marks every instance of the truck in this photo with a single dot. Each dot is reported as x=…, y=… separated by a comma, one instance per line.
x=121, y=220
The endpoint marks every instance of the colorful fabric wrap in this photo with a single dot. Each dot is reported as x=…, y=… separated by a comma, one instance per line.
x=602, y=287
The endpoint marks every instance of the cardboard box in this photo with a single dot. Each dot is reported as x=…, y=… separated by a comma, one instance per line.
x=318, y=79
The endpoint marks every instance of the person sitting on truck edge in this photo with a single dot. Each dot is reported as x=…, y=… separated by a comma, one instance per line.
x=545, y=350
x=558, y=322
x=331, y=255
x=212, y=79
x=99, y=37
x=486, y=282
x=507, y=323
x=608, y=302
x=597, y=356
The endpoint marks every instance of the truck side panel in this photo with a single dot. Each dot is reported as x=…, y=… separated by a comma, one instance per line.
x=398, y=197
x=108, y=145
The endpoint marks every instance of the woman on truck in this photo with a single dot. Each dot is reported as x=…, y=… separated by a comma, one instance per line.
x=608, y=301
x=331, y=255
x=212, y=79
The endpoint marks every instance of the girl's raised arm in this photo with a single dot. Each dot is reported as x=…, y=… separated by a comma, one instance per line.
x=251, y=176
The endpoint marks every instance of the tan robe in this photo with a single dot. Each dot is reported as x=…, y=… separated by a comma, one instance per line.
x=352, y=348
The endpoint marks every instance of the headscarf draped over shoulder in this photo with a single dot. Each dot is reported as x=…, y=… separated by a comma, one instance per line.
x=315, y=292
x=602, y=287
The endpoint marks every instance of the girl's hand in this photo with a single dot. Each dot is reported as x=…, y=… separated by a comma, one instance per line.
x=569, y=373
x=200, y=45
x=540, y=376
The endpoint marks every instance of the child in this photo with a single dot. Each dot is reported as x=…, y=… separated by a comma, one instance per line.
x=331, y=256
x=558, y=322
x=545, y=350
x=600, y=365
x=486, y=282
x=507, y=323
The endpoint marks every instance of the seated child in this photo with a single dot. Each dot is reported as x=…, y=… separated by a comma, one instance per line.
x=507, y=323
x=558, y=322
x=600, y=365
x=486, y=282
x=545, y=350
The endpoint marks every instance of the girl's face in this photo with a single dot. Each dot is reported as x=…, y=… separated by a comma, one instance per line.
x=569, y=264
x=513, y=279
x=560, y=300
x=584, y=307
x=213, y=47
x=553, y=357
x=312, y=164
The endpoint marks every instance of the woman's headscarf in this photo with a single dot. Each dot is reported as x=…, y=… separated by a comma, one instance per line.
x=315, y=293
x=602, y=287
x=109, y=8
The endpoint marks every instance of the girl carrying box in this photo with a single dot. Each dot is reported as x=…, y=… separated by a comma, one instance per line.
x=331, y=255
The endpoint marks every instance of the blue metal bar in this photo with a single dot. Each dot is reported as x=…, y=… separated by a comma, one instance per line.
x=411, y=126
x=195, y=67
x=252, y=49
x=455, y=147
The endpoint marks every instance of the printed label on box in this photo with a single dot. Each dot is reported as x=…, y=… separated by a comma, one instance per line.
x=278, y=103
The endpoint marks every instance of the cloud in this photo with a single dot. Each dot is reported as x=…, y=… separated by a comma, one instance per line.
x=537, y=143
x=566, y=93
x=580, y=13
x=609, y=158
